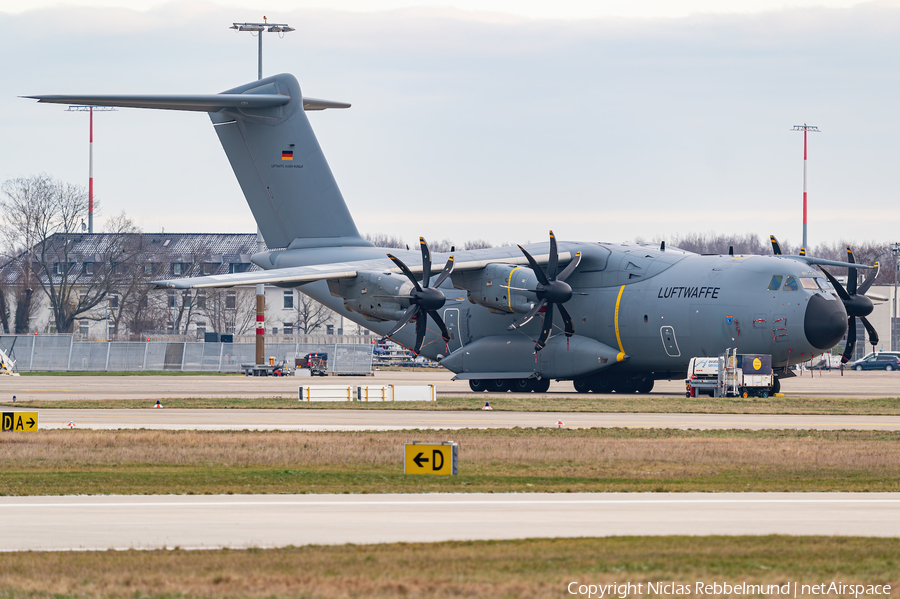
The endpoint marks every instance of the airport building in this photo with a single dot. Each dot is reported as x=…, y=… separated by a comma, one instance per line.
x=111, y=273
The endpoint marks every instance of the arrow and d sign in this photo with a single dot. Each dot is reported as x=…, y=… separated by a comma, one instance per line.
x=431, y=458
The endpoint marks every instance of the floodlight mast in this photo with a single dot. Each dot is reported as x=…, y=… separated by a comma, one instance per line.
x=259, y=28
x=805, y=128
x=91, y=110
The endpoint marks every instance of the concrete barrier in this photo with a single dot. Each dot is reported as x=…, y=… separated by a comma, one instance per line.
x=368, y=393
x=326, y=393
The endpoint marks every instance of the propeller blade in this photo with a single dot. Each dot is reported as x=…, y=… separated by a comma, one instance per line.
x=448, y=268
x=545, y=328
x=553, y=264
x=538, y=271
x=842, y=293
x=527, y=318
x=426, y=262
x=436, y=317
x=410, y=312
x=567, y=320
x=776, y=248
x=570, y=268
x=851, y=339
x=406, y=271
x=870, y=278
x=421, y=330
x=873, y=334
x=851, y=273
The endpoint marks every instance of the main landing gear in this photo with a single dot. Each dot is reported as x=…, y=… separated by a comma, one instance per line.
x=515, y=385
x=606, y=383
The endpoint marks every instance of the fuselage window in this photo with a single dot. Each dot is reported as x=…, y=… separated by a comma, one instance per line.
x=808, y=283
x=790, y=284
x=775, y=283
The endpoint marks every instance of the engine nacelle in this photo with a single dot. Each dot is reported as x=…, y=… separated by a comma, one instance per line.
x=490, y=287
x=373, y=294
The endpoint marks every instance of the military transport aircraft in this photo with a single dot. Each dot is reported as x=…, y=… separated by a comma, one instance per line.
x=608, y=316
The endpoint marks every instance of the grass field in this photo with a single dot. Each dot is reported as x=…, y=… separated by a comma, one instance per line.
x=536, y=568
x=607, y=403
x=62, y=462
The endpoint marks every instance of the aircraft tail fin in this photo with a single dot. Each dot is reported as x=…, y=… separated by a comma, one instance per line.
x=274, y=153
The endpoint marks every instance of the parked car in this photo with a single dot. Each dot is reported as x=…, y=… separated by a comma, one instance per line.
x=878, y=361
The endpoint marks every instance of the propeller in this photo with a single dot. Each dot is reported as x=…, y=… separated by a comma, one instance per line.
x=855, y=302
x=552, y=290
x=423, y=300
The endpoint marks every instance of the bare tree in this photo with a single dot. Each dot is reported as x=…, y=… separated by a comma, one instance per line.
x=309, y=314
x=477, y=244
x=44, y=217
x=384, y=241
x=4, y=309
x=229, y=310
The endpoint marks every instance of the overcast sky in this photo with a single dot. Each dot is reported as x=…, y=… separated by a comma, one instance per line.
x=601, y=120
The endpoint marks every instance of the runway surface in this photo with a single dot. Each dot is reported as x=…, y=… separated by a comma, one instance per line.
x=356, y=420
x=819, y=384
x=145, y=522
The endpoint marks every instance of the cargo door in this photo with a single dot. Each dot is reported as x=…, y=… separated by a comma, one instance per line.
x=451, y=319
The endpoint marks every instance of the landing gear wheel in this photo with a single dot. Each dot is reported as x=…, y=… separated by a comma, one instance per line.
x=582, y=385
x=541, y=385
x=601, y=384
x=498, y=385
x=478, y=385
x=776, y=387
x=645, y=385
x=523, y=385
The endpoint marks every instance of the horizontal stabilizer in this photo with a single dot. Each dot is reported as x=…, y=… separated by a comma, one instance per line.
x=198, y=103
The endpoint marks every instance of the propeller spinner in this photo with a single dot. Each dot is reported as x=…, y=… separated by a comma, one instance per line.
x=424, y=301
x=552, y=290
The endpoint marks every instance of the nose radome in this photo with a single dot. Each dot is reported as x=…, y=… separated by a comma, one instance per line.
x=825, y=322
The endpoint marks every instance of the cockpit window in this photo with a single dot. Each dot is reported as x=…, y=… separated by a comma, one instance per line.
x=775, y=283
x=808, y=283
x=791, y=284
x=824, y=285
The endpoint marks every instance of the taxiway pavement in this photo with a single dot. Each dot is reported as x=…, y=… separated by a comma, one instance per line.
x=810, y=384
x=145, y=522
x=358, y=420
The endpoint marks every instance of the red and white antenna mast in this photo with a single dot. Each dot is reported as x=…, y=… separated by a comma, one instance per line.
x=805, y=128
x=91, y=110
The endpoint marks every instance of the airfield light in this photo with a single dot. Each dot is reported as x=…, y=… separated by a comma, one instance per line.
x=279, y=28
x=805, y=128
x=90, y=109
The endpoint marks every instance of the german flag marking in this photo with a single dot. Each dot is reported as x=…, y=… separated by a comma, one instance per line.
x=287, y=155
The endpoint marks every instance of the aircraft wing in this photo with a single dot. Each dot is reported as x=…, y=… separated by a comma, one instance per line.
x=297, y=275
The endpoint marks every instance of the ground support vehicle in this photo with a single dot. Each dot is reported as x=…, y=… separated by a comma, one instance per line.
x=272, y=368
x=732, y=375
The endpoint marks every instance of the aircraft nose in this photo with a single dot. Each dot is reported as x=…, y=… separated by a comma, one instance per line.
x=825, y=322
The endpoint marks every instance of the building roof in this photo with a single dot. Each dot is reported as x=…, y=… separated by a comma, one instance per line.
x=219, y=253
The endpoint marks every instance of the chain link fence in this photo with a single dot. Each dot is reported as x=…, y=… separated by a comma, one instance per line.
x=60, y=353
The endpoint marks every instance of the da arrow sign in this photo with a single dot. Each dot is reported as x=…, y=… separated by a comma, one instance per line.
x=431, y=458
x=19, y=422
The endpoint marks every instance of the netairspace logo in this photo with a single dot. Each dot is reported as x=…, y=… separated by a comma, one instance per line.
x=789, y=589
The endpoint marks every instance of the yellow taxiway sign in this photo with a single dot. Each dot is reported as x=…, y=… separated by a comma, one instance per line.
x=431, y=458
x=19, y=422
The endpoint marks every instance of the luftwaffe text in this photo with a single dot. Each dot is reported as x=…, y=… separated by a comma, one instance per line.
x=688, y=292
